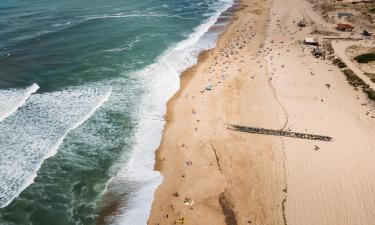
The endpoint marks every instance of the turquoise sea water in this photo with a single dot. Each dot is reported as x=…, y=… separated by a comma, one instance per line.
x=83, y=87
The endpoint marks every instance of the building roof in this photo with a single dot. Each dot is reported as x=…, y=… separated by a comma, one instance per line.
x=344, y=26
x=344, y=14
x=318, y=51
x=310, y=40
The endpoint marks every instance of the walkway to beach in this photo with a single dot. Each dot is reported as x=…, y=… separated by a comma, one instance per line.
x=340, y=47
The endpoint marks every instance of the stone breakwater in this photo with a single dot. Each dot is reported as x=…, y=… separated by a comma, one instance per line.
x=256, y=130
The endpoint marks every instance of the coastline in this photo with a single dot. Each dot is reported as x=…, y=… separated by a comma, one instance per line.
x=184, y=193
x=139, y=169
x=217, y=112
x=260, y=75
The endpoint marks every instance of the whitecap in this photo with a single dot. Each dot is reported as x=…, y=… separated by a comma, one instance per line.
x=12, y=99
x=162, y=81
x=35, y=132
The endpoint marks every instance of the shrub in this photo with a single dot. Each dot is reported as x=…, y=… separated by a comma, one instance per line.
x=355, y=81
x=371, y=76
x=365, y=58
x=370, y=93
x=338, y=62
x=353, y=78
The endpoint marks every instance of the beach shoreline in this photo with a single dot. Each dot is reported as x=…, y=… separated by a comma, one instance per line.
x=261, y=75
x=173, y=201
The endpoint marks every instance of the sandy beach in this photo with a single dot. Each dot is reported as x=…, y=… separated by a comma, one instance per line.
x=260, y=75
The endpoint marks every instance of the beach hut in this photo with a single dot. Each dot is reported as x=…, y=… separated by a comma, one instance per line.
x=311, y=41
x=344, y=27
x=367, y=33
x=344, y=14
x=301, y=23
x=318, y=51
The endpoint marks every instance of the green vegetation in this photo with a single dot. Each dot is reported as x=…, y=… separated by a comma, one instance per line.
x=371, y=10
x=365, y=58
x=371, y=76
x=339, y=63
x=353, y=79
x=370, y=93
x=357, y=82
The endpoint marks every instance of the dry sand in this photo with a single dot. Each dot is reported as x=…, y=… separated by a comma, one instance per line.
x=262, y=76
x=334, y=185
x=340, y=50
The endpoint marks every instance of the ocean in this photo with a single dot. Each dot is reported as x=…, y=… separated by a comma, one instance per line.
x=83, y=88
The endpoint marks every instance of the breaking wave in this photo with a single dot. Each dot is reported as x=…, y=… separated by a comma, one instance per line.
x=41, y=126
x=162, y=81
x=11, y=100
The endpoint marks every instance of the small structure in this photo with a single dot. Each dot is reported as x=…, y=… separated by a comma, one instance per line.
x=344, y=27
x=318, y=51
x=344, y=14
x=311, y=41
x=302, y=23
x=367, y=33
x=264, y=131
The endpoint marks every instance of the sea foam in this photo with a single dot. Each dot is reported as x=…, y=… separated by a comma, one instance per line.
x=11, y=100
x=162, y=80
x=35, y=132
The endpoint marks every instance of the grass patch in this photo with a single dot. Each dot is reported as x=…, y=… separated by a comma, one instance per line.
x=353, y=79
x=357, y=82
x=339, y=63
x=370, y=93
x=371, y=76
x=365, y=58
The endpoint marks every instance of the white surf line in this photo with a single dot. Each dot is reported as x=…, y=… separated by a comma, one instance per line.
x=29, y=91
x=140, y=167
x=55, y=147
